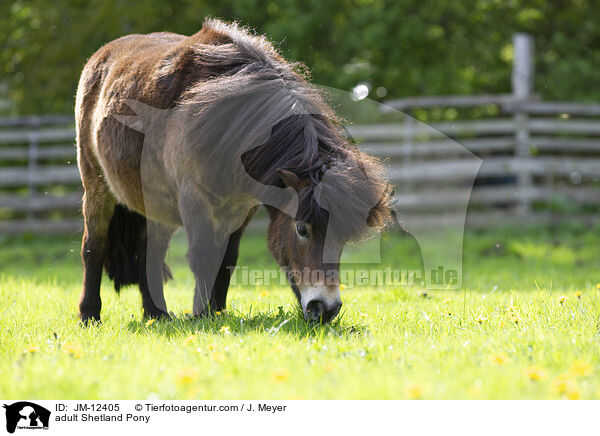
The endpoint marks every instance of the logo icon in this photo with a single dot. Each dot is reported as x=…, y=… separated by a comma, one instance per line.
x=26, y=415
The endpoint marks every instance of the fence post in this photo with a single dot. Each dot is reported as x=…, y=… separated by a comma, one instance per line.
x=32, y=167
x=407, y=140
x=522, y=84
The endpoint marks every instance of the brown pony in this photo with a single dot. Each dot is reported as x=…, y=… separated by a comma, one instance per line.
x=197, y=132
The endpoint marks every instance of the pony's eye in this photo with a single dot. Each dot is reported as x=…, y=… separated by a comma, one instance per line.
x=302, y=230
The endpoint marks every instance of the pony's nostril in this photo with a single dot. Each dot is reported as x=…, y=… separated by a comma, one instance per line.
x=315, y=310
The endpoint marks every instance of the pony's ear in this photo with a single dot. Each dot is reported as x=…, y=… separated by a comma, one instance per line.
x=291, y=180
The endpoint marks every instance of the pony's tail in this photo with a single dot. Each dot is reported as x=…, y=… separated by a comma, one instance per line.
x=126, y=248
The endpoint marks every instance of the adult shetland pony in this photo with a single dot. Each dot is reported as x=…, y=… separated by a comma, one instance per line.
x=198, y=131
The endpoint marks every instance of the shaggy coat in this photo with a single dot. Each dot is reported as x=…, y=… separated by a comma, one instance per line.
x=197, y=132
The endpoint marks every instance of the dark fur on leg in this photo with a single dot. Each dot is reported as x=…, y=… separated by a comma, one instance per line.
x=219, y=294
x=126, y=257
x=126, y=246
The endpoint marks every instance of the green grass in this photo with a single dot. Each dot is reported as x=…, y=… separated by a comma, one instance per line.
x=390, y=342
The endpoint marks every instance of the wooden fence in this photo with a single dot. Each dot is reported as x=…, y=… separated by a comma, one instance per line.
x=39, y=181
x=541, y=160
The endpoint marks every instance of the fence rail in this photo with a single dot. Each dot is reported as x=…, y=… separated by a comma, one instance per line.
x=39, y=180
x=541, y=163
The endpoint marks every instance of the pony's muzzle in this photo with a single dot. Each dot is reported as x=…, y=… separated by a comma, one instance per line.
x=317, y=311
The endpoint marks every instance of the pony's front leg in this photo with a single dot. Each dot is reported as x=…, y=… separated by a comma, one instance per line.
x=153, y=270
x=218, y=298
x=205, y=257
x=206, y=249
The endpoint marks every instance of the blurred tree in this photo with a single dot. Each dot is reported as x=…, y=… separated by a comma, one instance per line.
x=399, y=47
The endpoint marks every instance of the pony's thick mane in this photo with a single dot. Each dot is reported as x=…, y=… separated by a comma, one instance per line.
x=272, y=118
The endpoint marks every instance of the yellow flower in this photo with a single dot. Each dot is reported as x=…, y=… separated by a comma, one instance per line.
x=186, y=376
x=225, y=330
x=578, y=294
x=534, y=373
x=573, y=394
x=499, y=359
x=581, y=368
x=597, y=285
x=328, y=367
x=211, y=347
x=281, y=374
x=73, y=348
x=563, y=384
x=562, y=299
x=446, y=301
x=31, y=350
x=511, y=308
x=150, y=322
x=189, y=340
x=414, y=391
x=481, y=319
x=364, y=315
x=264, y=293
x=342, y=286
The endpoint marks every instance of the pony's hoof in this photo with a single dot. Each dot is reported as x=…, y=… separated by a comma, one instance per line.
x=208, y=313
x=157, y=314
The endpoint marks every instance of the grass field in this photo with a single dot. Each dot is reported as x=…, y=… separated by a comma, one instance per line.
x=524, y=326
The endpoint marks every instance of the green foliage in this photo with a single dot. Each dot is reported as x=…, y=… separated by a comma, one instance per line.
x=407, y=47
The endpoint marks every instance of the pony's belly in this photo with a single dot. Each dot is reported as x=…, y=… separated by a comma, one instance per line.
x=143, y=188
x=126, y=192
x=151, y=198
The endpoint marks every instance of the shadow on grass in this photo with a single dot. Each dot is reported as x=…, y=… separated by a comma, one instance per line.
x=283, y=322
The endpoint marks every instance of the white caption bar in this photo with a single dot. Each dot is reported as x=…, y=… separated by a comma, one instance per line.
x=158, y=417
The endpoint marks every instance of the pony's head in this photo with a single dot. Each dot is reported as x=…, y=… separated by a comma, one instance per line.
x=342, y=197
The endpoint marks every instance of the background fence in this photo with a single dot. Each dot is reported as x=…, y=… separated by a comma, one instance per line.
x=39, y=179
x=541, y=160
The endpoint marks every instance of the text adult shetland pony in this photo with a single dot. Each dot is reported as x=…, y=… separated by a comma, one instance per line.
x=197, y=132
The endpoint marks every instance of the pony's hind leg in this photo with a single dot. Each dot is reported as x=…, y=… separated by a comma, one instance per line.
x=98, y=206
x=153, y=271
